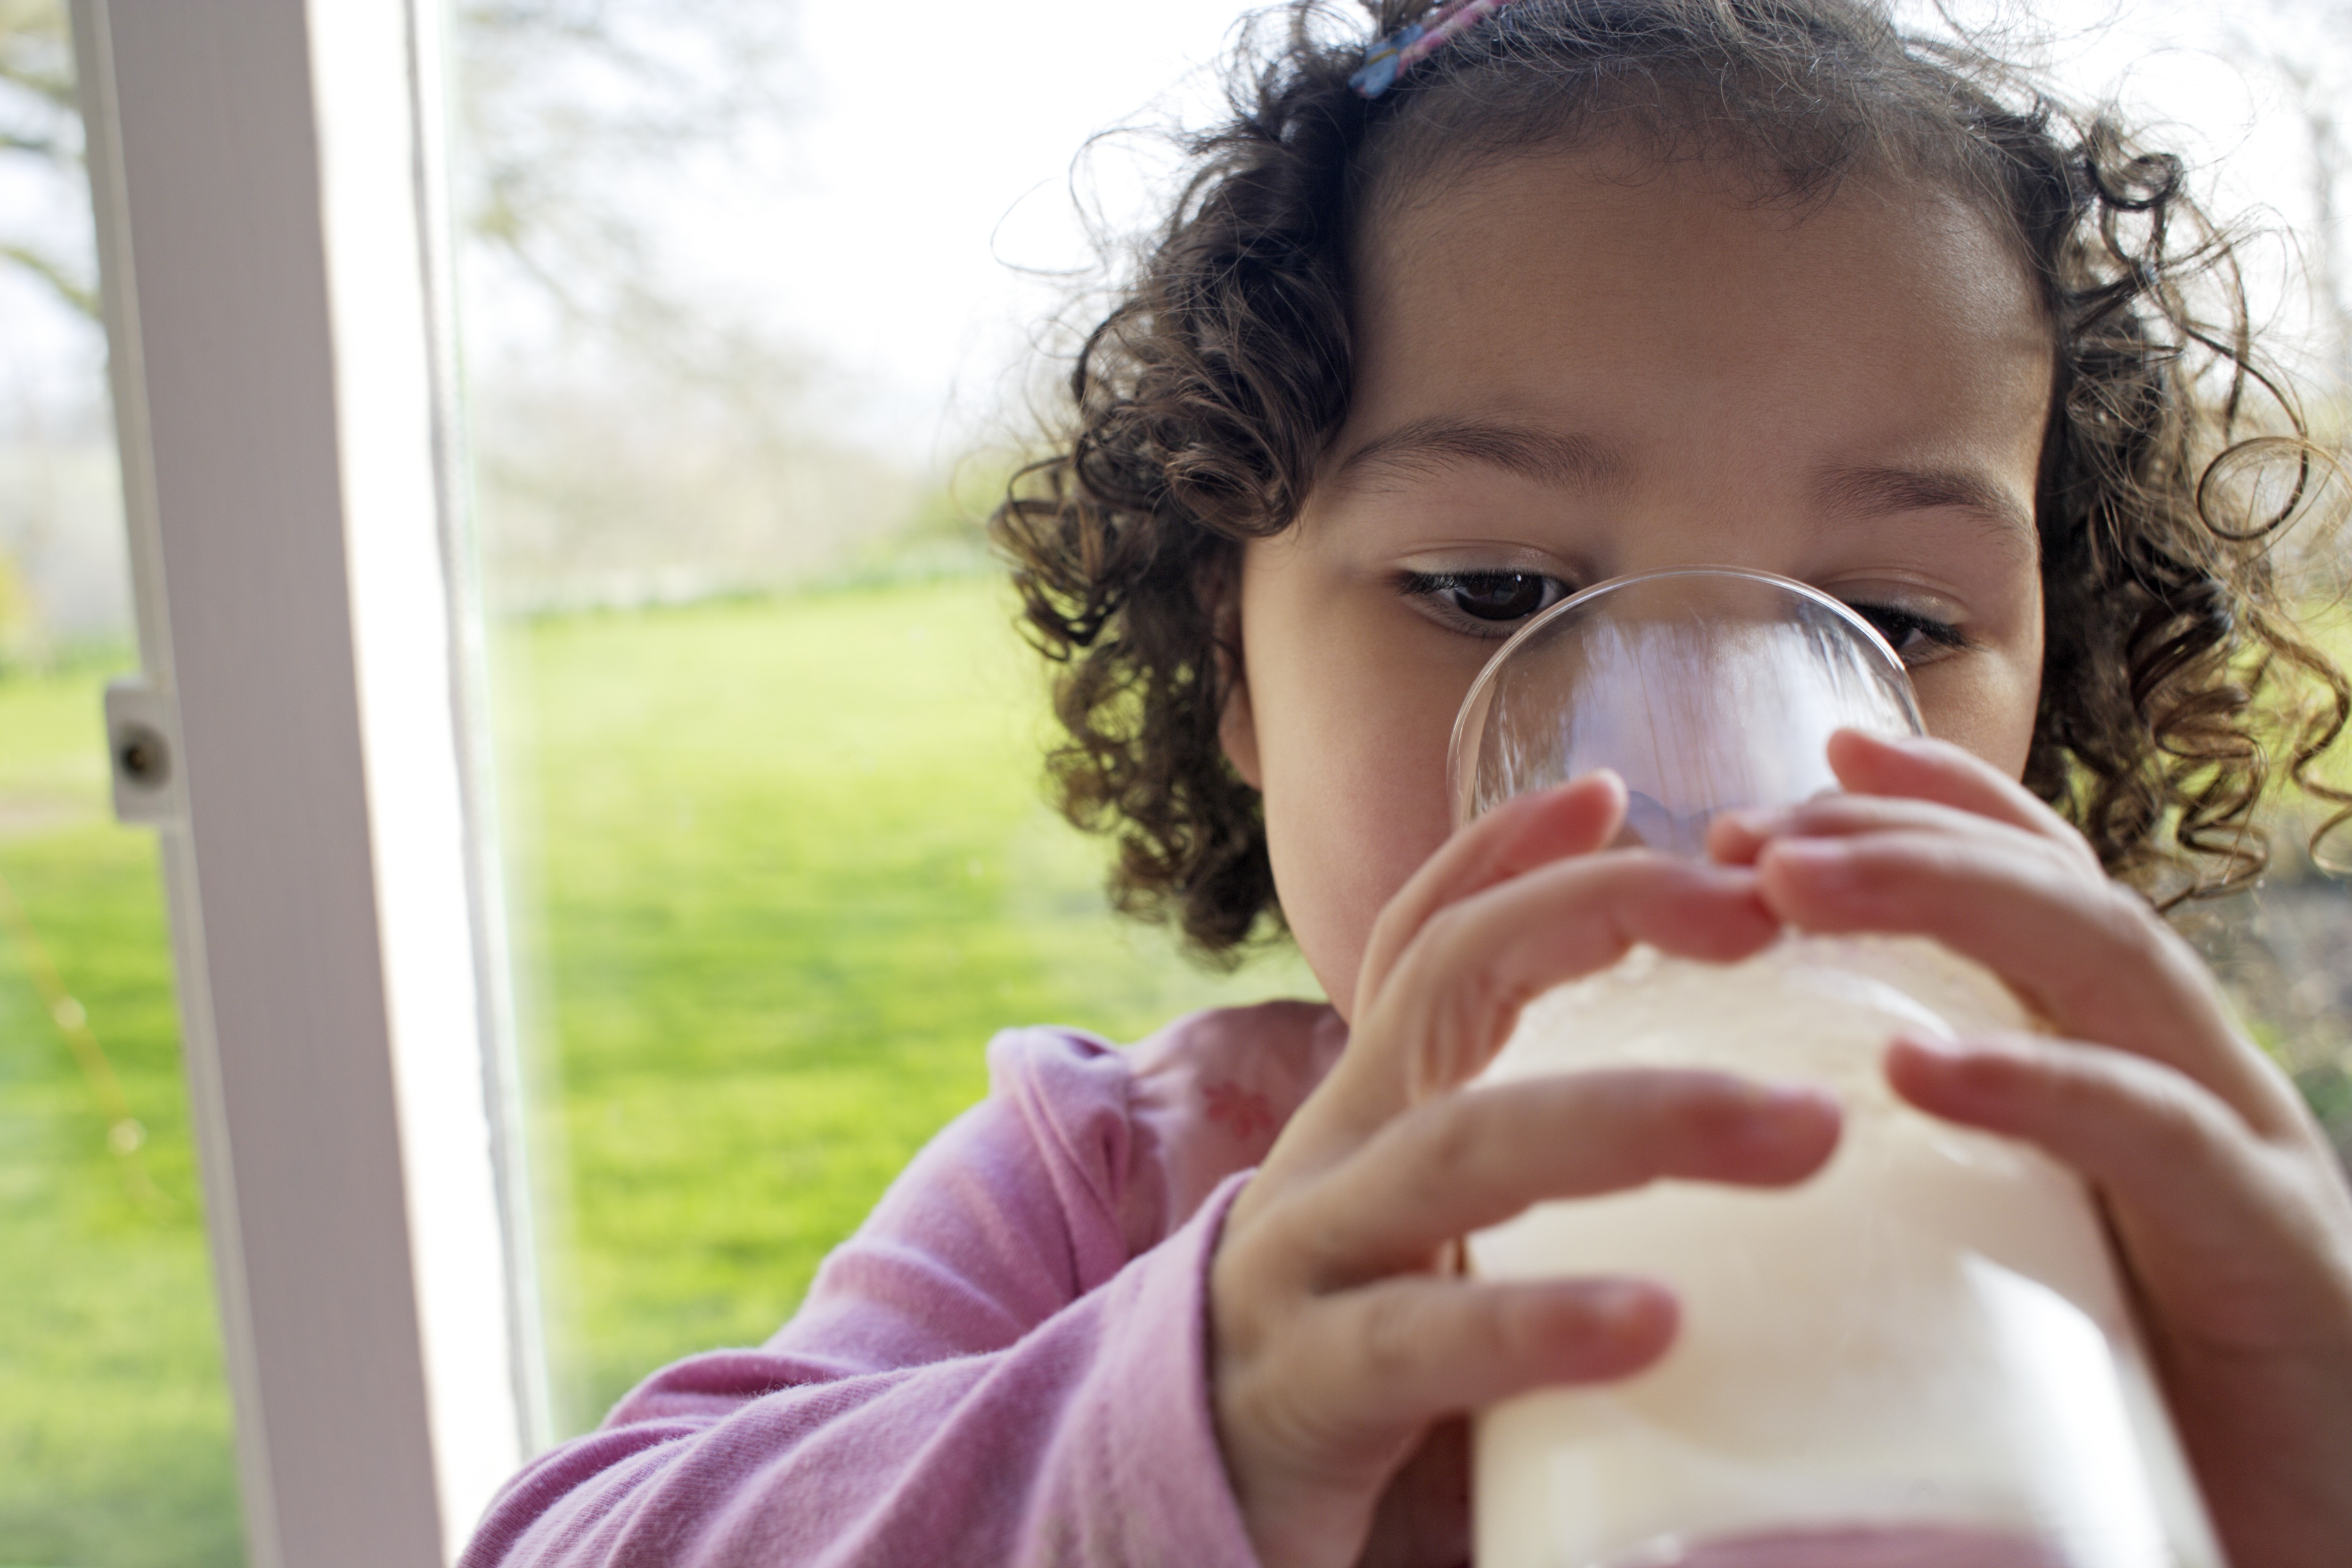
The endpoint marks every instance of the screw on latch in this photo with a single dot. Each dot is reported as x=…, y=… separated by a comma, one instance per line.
x=142, y=756
x=139, y=746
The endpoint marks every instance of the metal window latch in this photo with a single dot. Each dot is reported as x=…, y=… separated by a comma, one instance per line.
x=143, y=753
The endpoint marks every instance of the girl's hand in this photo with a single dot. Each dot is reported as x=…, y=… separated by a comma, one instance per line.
x=2233, y=1216
x=1338, y=1337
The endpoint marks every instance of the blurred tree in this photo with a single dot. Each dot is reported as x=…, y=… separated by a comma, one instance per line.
x=627, y=419
x=21, y=639
x=578, y=122
x=40, y=137
x=640, y=432
x=568, y=111
x=40, y=126
x=569, y=108
x=2308, y=44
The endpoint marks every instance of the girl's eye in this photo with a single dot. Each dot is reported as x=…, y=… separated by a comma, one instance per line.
x=1916, y=639
x=1484, y=604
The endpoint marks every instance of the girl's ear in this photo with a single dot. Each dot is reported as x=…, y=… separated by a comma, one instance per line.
x=1219, y=587
x=1237, y=724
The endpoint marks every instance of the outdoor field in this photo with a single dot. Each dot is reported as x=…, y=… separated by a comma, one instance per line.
x=781, y=868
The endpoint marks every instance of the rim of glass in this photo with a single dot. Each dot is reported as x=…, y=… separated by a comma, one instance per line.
x=1473, y=699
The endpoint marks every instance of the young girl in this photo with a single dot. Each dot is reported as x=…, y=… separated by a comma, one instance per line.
x=1562, y=291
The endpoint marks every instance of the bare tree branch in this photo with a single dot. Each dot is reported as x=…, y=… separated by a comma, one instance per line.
x=2325, y=245
x=35, y=55
x=61, y=277
x=571, y=110
x=2308, y=46
x=39, y=121
x=49, y=149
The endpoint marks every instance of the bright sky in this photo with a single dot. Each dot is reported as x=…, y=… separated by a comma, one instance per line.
x=937, y=166
x=932, y=167
x=51, y=359
x=931, y=181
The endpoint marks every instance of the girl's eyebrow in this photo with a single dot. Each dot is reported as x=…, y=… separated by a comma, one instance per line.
x=1872, y=491
x=1563, y=460
x=1551, y=457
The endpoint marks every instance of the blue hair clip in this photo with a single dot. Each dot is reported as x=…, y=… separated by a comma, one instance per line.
x=1383, y=60
x=1394, y=55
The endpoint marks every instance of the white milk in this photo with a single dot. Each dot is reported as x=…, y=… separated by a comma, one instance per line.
x=1920, y=1357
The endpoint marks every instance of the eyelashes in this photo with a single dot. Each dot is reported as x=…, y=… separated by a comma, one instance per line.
x=1483, y=604
x=1493, y=605
x=1916, y=639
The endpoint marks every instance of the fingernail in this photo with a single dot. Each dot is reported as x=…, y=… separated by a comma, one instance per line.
x=1962, y=1067
x=1620, y=1306
x=1824, y=864
x=1779, y=1097
x=1950, y=1051
x=1783, y=1116
x=1943, y=1052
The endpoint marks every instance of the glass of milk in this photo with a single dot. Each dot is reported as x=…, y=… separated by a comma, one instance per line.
x=1920, y=1358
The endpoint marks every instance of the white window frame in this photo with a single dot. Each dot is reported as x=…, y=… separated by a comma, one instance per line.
x=267, y=179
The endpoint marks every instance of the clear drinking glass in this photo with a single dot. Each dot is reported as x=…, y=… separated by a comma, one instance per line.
x=1920, y=1358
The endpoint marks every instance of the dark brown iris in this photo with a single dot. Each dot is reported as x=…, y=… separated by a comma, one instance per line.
x=1498, y=595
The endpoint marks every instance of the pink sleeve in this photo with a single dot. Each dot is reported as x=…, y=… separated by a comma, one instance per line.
x=980, y=1376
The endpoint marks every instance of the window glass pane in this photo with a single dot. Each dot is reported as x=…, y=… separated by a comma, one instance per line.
x=794, y=875
x=2284, y=952
x=750, y=307
x=770, y=747
x=115, y=1446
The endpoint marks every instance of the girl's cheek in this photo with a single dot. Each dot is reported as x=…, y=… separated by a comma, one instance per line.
x=1985, y=703
x=1337, y=866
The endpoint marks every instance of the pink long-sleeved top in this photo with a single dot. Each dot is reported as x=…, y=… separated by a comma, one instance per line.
x=1006, y=1365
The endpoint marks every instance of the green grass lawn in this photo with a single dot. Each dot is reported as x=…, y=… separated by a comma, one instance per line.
x=779, y=870
x=783, y=870
x=114, y=1428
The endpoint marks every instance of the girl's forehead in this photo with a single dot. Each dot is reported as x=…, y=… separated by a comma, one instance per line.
x=1667, y=268
x=1591, y=212
x=1670, y=331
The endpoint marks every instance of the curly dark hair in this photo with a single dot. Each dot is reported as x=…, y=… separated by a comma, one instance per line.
x=2175, y=683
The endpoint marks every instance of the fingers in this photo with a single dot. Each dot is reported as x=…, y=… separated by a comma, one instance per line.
x=1390, y=1357
x=1331, y=1404
x=2132, y=1127
x=1376, y=1352
x=1531, y=830
x=1737, y=837
x=1475, y=1158
x=2212, y=1218
x=1925, y=769
x=1909, y=781
x=2090, y=955
x=1455, y=991
x=1932, y=841
x=1339, y=1342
